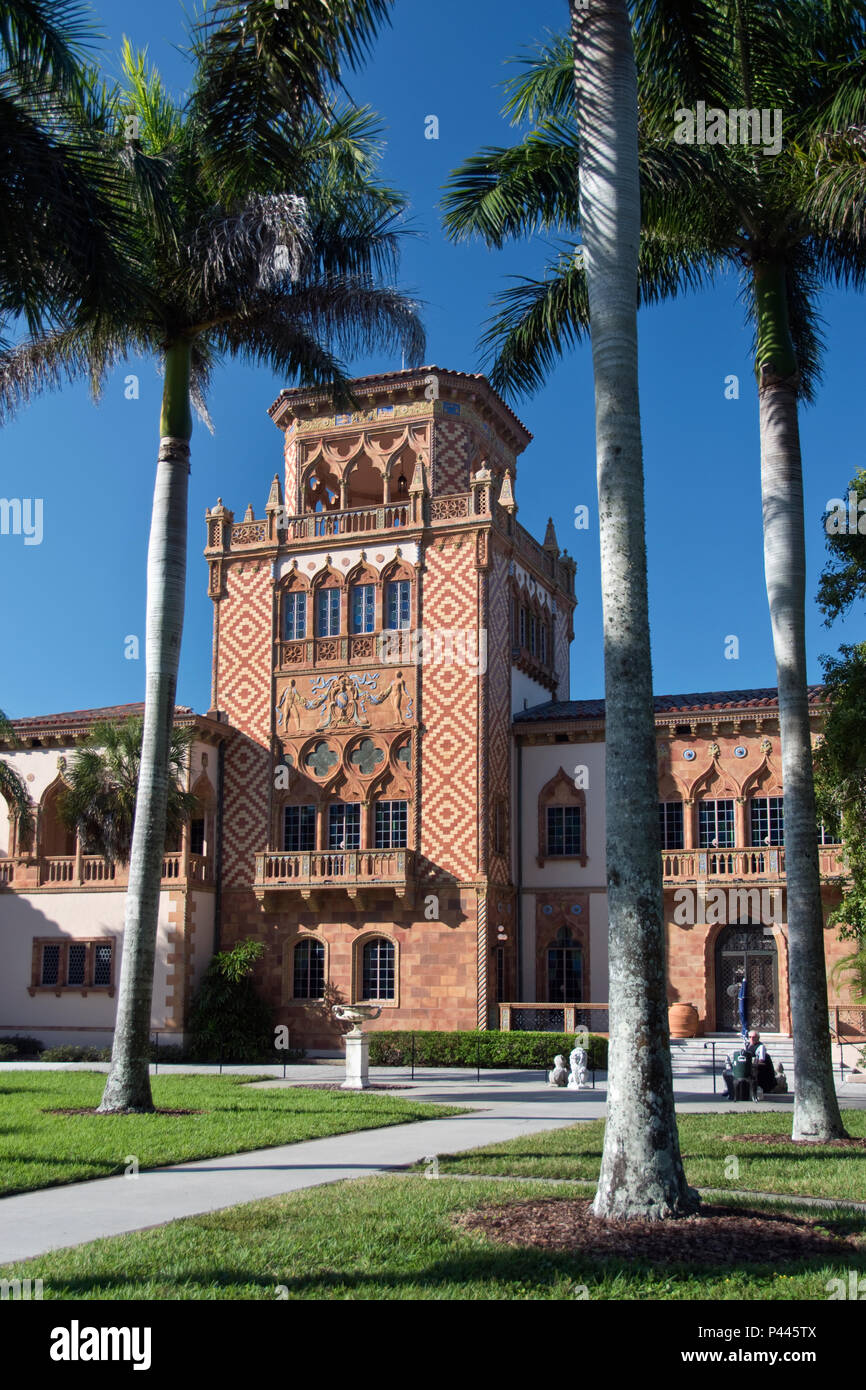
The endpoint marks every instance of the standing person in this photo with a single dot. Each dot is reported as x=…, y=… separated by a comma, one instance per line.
x=765, y=1071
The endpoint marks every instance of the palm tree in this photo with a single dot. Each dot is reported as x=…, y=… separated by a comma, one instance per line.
x=641, y=1172
x=786, y=224
x=101, y=788
x=230, y=254
x=57, y=225
x=14, y=789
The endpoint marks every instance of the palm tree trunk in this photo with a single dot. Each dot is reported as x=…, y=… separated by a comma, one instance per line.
x=816, y=1108
x=128, y=1084
x=641, y=1172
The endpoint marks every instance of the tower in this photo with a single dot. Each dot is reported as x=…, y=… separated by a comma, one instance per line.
x=373, y=634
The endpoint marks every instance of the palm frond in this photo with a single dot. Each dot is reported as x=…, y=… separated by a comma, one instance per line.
x=538, y=322
x=260, y=246
x=48, y=39
x=544, y=90
x=512, y=192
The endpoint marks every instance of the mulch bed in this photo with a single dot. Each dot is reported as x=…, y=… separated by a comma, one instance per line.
x=786, y=1139
x=83, y=1110
x=716, y=1236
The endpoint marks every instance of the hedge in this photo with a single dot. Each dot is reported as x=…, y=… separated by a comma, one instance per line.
x=534, y=1051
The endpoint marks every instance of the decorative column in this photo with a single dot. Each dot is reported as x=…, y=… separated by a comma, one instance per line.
x=482, y=960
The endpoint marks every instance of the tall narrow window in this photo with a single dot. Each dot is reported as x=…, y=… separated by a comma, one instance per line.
x=716, y=825
x=328, y=613
x=295, y=617
x=523, y=627
x=102, y=963
x=391, y=824
x=308, y=974
x=533, y=630
x=378, y=969
x=564, y=969
x=344, y=825
x=543, y=643
x=768, y=820
x=363, y=607
x=398, y=603
x=671, y=824
x=196, y=835
x=50, y=964
x=299, y=829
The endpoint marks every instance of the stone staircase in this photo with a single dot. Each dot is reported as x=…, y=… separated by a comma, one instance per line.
x=693, y=1057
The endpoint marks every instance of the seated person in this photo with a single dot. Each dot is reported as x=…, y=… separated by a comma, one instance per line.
x=765, y=1071
x=728, y=1076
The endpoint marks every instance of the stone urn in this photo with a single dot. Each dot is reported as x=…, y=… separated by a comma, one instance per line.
x=357, y=1043
x=683, y=1020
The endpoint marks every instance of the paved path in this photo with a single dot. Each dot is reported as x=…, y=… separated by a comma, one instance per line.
x=504, y=1106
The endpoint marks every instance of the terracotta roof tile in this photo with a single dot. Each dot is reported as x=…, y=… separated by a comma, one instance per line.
x=665, y=704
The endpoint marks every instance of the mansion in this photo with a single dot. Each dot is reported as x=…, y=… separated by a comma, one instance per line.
x=395, y=792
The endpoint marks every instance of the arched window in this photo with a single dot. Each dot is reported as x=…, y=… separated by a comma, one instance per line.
x=377, y=977
x=308, y=973
x=564, y=969
x=561, y=820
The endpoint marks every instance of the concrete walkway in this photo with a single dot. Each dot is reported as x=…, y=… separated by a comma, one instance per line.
x=504, y=1106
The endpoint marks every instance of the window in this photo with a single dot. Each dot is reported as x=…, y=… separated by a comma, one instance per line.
x=344, y=825
x=543, y=643
x=328, y=613
x=299, y=829
x=196, y=835
x=671, y=824
x=308, y=975
x=828, y=833
x=363, y=607
x=499, y=828
x=533, y=630
x=768, y=820
x=72, y=965
x=391, y=824
x=523, y=627
x=50, y=965
x=563, y=830
x=398, y=603
x=295, y=617
x=500, y=974
x=378, y=969
x=716, y=825
x=564, y=969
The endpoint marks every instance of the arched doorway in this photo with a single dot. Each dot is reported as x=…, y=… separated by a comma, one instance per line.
x=564, y=969
x=745, y=951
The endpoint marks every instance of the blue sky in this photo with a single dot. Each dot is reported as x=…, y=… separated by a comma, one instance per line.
x=70, y=602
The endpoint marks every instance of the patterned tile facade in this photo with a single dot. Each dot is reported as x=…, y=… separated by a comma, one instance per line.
x=452, y=455
x=449, y=715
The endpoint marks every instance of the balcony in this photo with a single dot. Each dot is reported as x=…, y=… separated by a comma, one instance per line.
x=63, y=872
x=349, y=871
x=744, y=865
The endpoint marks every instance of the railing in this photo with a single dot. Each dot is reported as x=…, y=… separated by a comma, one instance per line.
x=554, y=1018
x=88, y=870
x=848, y=1022
x=349, y=522
x=680, y=865
x=342, y=869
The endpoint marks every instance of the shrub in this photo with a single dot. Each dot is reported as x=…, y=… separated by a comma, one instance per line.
x=8, y=1052
x=228, y=1019
x=533, y=1051
x=25, y=1047
x=69, y=1052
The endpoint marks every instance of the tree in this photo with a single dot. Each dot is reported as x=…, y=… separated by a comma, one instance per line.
x=786, y=222
x=228, y=1017
x=57, y=225
x=272, y=255
x=14, y=789
x=99, y=798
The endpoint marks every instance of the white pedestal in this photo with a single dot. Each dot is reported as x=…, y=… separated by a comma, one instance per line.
x=357, y=1062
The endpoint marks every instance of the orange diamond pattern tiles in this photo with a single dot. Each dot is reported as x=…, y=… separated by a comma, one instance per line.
x=244, y=692
x=245, y=655
x=450, y=457
x=499, y=707
x=246, y=799
x=449, y=716
x=291, y=489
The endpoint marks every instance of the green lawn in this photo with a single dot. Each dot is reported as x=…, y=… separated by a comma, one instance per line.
x=42, y=1150
x=817, y=1170
x=392, y=1239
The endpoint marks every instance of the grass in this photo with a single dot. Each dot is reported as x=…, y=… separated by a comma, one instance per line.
x=818, y=1170
x=393, y=1239
x=43, y=1150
